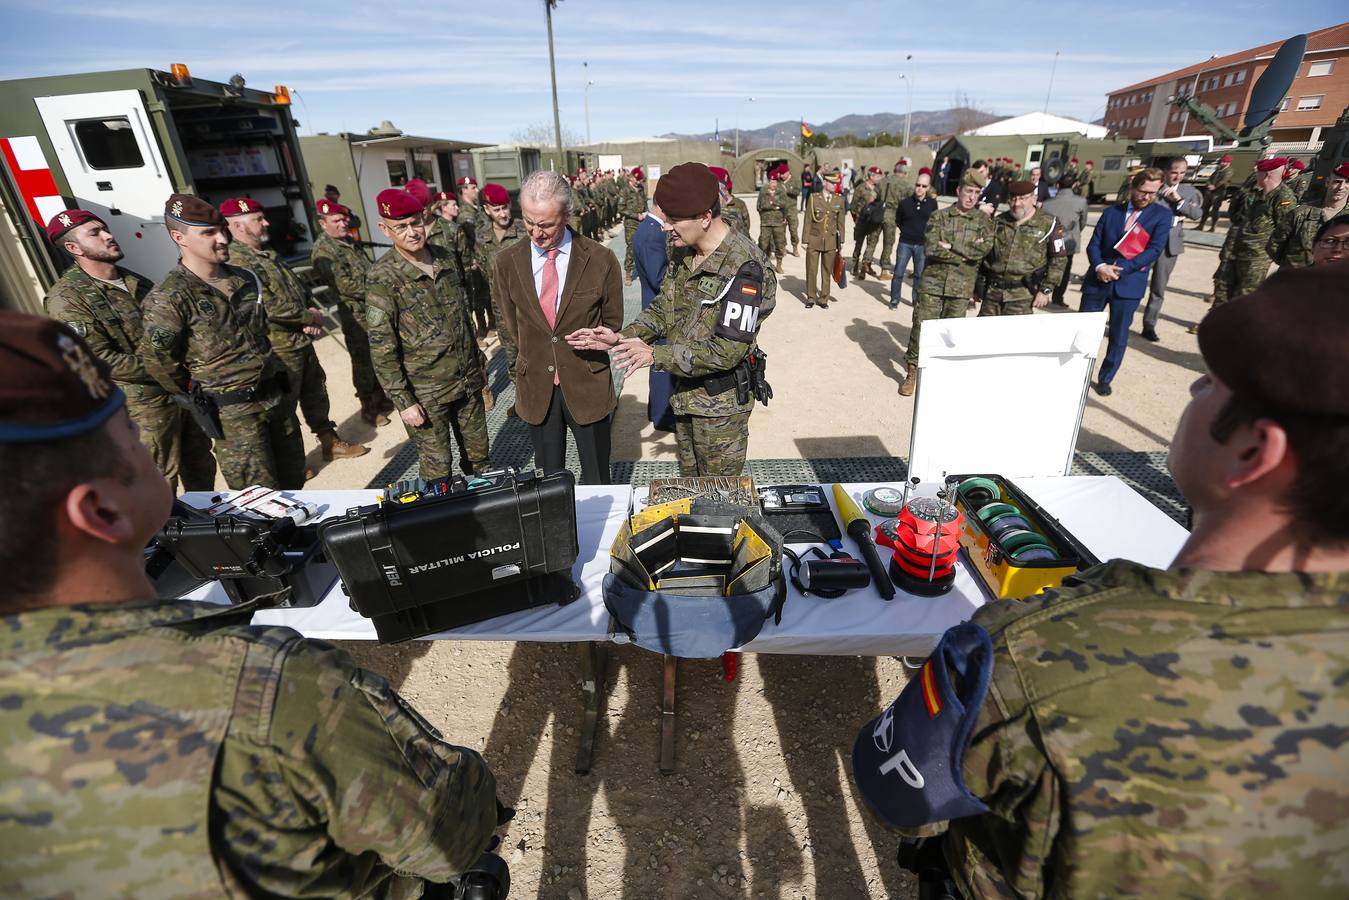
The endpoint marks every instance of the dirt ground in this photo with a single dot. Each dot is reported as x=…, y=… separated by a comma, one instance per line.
x=761, y=803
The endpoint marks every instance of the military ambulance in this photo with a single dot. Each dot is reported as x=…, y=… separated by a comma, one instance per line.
x=119, y=143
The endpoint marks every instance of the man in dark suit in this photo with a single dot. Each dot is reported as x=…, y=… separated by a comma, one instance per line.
x=1185, y=202
x=1071, y=212
x=554, y=284
x=650, y=259
x=1127, y=240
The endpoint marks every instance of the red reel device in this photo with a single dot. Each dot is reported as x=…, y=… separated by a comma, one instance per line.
x=926, y=540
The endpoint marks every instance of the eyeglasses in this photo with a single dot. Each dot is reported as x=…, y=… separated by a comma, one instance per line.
x=1328, y=243
x=404, y=227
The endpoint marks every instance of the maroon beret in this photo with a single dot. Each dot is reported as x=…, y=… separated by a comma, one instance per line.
x=873, y=170
x=687, y=190
x=722, y=176
x=1074, y=159
x=1225, y=158
x=68, y=219
x=395, y=203
x=638, y=173
x=1283, y=343
x=1342, y=170
x=1269, y=165
x=1020, y=188
x=419, y=189
x=780, y=171
x=1297, y=164
x=238, y=206
x=924, y=171
x=467, y=179
x=494, y=194
x=442, y=196
x=326, y=207
x=193, y=211
x=52, y=386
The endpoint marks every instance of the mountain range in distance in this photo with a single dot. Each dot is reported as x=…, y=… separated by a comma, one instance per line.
x=925, y=122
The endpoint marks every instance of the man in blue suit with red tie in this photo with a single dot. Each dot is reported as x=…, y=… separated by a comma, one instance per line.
x=1127, y=240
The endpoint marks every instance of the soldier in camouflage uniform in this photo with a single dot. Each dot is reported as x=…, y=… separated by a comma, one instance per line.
x=864, y=253
x=1293, y=239
x=445, y=231
x=1169, y=732
x=632, y=207
x=1245, y=252
x=1215, y=192
x=499, y=230
x=892, y=191
x=1084, y=185
x=957, y=240
x=341, y=265
x=101, y=302
x=1027, y=257
x=471, y=221
x=292, y=323
x=1297, y=177
x=167, y=748
x=715, y=296
x=422, y=343
x=772, y=220
x=789, y=193
x=734, y=212
x=205, y=327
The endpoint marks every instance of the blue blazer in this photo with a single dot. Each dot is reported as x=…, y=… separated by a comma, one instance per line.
x=648, y=258
x=1133, y=280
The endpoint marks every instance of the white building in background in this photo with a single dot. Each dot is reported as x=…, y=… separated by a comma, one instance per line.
x=1039, y=123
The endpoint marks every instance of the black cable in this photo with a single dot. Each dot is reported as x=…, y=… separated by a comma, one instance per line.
x=794, y=570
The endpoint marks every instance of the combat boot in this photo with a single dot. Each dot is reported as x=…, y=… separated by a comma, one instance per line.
x=778, y=267
x=335, y=448
x=372, y=415
x=910, y=383
x=488, y=401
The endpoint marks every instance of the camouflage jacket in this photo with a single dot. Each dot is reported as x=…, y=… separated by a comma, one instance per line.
x=952, y=272
x=685, y=314
x=109, y=320
x=1295, y=234
x=342, y=266
x=153, y=749
x=285, y=298
x=1155, y=733
x=487, y=245
x=468, y=218
x=770, y=205
x=195, y=333
x=421, y=331
x=632, y=201
x=862, y=197
x=893, y=189
x=1299, y=184
x=450, y=237
x=1018, y=251
x=1220, y=179
x=736, y=214
x=1258, y=217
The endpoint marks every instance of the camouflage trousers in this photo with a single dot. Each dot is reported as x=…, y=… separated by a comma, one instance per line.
x=308, y=387
x=479, y=293
x=868, y=253
x=460, y=422
x=888, y=246
x=262, y=448
x=357, y=339
x=180, y=449
x=629, y=232
x=1003, y=305
x=712, y=445
x=932, y=306
x=790, y=215
x=1237, y=275
x=773, y=240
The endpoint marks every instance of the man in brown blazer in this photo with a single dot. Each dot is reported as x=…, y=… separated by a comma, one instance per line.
x=548, y=287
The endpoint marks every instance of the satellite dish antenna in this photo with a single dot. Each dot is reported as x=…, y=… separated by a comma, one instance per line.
x=1273, y=85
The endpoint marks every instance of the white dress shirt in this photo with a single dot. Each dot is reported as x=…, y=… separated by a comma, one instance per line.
x=540, y=257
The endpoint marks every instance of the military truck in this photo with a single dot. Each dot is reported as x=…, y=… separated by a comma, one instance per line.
x=119, y=143
x=1050, y=152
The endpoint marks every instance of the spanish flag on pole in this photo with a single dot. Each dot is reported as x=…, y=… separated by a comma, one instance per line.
x=805, y=130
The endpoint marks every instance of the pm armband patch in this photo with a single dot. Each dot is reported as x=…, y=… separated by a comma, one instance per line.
x=738, y=314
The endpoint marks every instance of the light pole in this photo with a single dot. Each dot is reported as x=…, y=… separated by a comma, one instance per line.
x=589, y=84
x=908, y=87
x=1053, y=66
x=737, y=127
x=552, y=72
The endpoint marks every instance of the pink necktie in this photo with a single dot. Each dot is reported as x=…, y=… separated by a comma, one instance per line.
x=548, y=293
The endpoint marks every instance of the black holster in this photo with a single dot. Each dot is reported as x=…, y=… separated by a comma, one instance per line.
x=923, y=857
x=203, y=410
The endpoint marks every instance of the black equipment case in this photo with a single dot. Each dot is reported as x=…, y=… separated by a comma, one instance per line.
x=436, y=555
x=251, y=556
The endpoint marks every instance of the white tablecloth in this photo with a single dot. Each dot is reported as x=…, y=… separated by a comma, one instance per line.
x=1104, y=513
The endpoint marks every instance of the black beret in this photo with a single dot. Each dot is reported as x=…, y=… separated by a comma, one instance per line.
x=52, y=386
x=1284, y=343
x=687, y=190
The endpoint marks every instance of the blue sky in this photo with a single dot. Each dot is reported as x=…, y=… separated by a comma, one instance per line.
x=479, y=71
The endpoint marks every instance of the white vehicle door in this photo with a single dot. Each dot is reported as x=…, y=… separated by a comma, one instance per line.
x=108, y=152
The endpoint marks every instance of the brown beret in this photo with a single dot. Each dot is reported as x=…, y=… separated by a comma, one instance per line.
x=52, y=386
x=1020, y=188
x=687, y=190
x=1284, y=343
x=193, y=211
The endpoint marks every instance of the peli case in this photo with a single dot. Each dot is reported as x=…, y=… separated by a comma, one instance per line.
x=451, y=552
x=251, y=556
